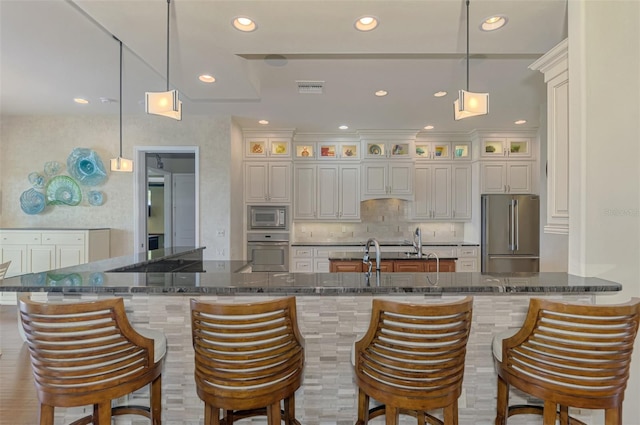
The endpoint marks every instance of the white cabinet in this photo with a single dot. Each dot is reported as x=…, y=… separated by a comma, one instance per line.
x=332, y=151
x=326, y=192
x=315, y=258
x=443, y=191
x=32, y=251
x=511, y=147
x=267, y=182
x=433, y=191
x=506, y=177
x=468, y=259
x=443, y=151
x=267, y=147
x=388, y=150
x=387, y=180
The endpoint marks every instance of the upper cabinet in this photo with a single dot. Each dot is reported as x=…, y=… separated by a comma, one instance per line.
x=267, y=182
x=267, y=147
x=388, y=150
x=347, y=151
x=387, y=179
x=443, y=151
x=506, y=147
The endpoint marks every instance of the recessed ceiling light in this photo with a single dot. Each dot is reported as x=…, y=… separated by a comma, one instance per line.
x=440, y=93
x=80, y=100
x=381, y=93
x=206, y=78
x=344, y=127
x=242, y=23
x=366, y=23
x=429, y=127
x=263, y=122
x=493, y=23
x=520, y=122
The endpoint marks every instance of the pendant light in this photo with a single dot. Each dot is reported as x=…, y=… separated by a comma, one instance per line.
x=470, y=104
x=165, y=103
x=120, y=163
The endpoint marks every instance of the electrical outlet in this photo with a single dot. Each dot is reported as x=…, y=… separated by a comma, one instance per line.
x=344, y=229
x=220, y=251
x=220, y=233
x=331, y=234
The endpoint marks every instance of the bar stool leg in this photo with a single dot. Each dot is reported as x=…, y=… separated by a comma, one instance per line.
x=273, y=414
x=503, y=402
x=102, y=413
x=564, y=415
x=289, y=410
x=156, y=401
x=392, y=415
x=363, y=407
x=46, y=415
x=613, y=416
x=550, y=413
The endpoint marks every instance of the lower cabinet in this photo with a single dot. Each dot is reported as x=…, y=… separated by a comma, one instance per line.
x=394, y=266
x=33, y=251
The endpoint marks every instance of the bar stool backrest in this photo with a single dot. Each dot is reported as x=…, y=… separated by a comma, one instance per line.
x=3, y=269
x=246, y=355
x=412, y=355
x=575, y=355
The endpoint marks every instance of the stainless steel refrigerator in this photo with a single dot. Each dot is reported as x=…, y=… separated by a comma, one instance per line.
x=510, y=233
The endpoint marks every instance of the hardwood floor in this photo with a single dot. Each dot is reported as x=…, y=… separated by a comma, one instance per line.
x=18, y=401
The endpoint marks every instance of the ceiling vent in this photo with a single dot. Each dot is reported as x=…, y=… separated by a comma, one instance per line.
x=310, y=87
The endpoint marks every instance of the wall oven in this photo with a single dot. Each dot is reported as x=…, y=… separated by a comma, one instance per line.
x=268, y=252
x=267, y=217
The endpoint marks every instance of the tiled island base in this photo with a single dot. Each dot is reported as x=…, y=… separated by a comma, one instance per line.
x=330, y=325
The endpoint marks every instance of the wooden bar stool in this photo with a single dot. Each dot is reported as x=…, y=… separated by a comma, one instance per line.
x=248, y=358
x=88, y=354
x=568, y=355
x=412, y=360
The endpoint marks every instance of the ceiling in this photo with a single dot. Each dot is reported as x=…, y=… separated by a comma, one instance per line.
x=55, y=50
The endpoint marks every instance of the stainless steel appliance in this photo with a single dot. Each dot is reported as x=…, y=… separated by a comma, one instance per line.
x=510, y=233
x=268, y=252
x=267, y=217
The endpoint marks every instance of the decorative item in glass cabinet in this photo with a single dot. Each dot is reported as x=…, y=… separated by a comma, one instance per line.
x=86, y=166
x=63, y=190
x=52, y=168
x=95, y=198
x=37, y=180
x=32, y=202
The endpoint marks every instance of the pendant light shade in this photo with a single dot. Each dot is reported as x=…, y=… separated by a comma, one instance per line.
x=165, y=103
x=120, y=163
x=470, y=104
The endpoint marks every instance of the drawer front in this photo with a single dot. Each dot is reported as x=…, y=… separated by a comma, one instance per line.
x=441, y=251
x=302, y=265
x=467, y=251
x=21, y=238
x=303, y=252
x=321, y=266
x=467, y=265
x=63, y=238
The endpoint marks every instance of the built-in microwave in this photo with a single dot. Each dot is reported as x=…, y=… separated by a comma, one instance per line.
x=267, y=217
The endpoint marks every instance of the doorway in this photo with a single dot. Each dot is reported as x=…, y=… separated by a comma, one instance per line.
x=166, y=215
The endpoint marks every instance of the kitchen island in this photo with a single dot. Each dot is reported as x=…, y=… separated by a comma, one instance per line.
x=333, y=312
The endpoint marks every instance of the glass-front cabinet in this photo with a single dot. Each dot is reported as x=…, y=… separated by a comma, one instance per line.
x=379, y=150
x=443, y=151
x=267, y=147
x=513, y=147
x=327, y=151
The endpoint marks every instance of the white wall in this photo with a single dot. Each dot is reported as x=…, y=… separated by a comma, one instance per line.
x=604, y=73
x=27, y=142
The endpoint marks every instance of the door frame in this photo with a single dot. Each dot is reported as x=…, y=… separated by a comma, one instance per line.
x=168, y=204
x=140, y=183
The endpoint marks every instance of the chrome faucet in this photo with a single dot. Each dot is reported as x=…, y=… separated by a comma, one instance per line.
x=429, y=254
x=366, y=259
x=417, y=241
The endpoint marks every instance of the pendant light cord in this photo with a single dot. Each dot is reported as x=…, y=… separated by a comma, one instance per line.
x=120, y=99
x=467, y=45
x=168, y=13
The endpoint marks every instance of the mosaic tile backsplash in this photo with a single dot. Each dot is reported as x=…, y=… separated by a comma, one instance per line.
x=384, y=219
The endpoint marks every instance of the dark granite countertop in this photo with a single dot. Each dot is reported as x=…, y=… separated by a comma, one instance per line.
x=231, y=277
x=382, y=243
x=353, y=256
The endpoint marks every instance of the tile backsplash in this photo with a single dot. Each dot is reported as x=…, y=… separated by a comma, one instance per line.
x=383, y=219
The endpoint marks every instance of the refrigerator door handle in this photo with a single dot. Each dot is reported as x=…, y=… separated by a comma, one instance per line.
x=511, y=226
x=516, y=216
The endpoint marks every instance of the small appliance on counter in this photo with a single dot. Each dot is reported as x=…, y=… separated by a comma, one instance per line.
x=510, y=233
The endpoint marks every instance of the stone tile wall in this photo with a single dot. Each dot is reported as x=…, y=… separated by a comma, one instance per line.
x=330, y=326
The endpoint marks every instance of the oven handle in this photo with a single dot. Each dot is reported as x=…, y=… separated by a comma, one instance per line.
x=268, y=243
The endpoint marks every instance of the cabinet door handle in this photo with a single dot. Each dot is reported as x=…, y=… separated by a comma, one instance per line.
x=509, y=186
